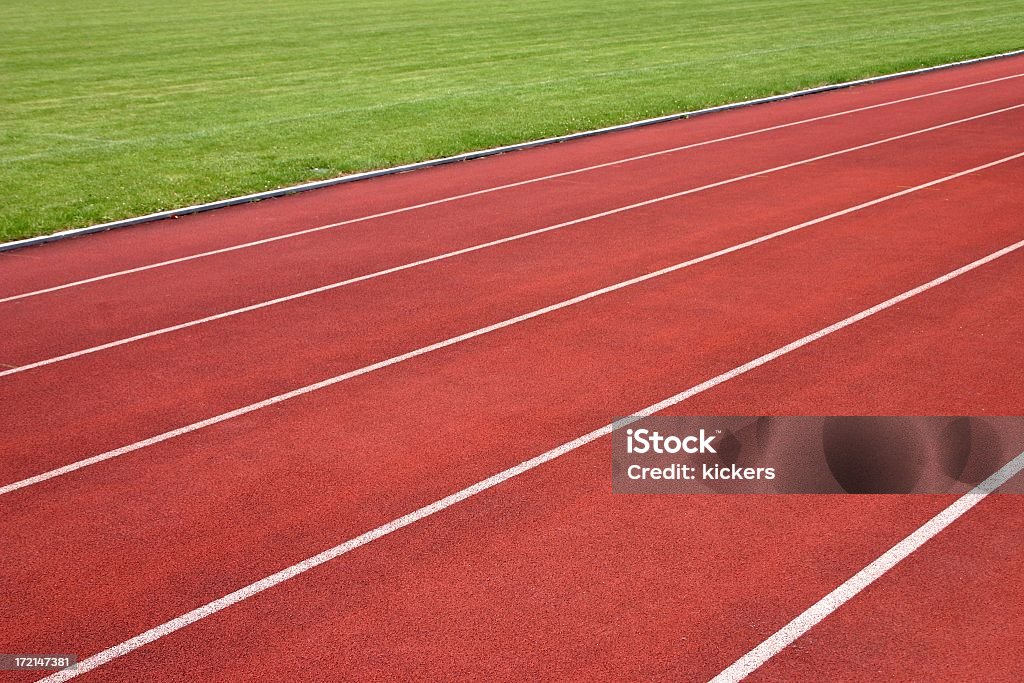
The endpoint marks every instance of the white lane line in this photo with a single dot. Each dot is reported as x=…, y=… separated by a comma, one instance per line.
x=252, y=407
x=814, y=614
x=291, y=572
x=513, y=238
x=496, y=188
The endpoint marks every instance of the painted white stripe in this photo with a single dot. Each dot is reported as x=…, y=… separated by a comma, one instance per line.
x=291, y=572
x=814, y=614
x=394, y=360
x=513, y=238
x=497, y=188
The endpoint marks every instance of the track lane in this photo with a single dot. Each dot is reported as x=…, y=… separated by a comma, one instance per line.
x=967, y=579
x=235, y=501
x=134, y=392
x=654, y=587
x=55, y=263
x=107, y=310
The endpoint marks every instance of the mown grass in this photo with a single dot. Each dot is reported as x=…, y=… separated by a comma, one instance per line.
x=113, y=108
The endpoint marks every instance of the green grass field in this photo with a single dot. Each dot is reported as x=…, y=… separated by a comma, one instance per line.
x=111, y=108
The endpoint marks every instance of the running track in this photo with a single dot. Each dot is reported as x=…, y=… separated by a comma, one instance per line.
x=193, y=406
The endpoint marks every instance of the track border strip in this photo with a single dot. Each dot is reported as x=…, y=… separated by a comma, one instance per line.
x=496, y=188
x=467, y=156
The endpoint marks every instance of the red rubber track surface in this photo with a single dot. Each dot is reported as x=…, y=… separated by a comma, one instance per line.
x=548, y=575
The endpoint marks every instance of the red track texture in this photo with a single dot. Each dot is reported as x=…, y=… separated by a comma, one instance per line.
x=546, y=575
